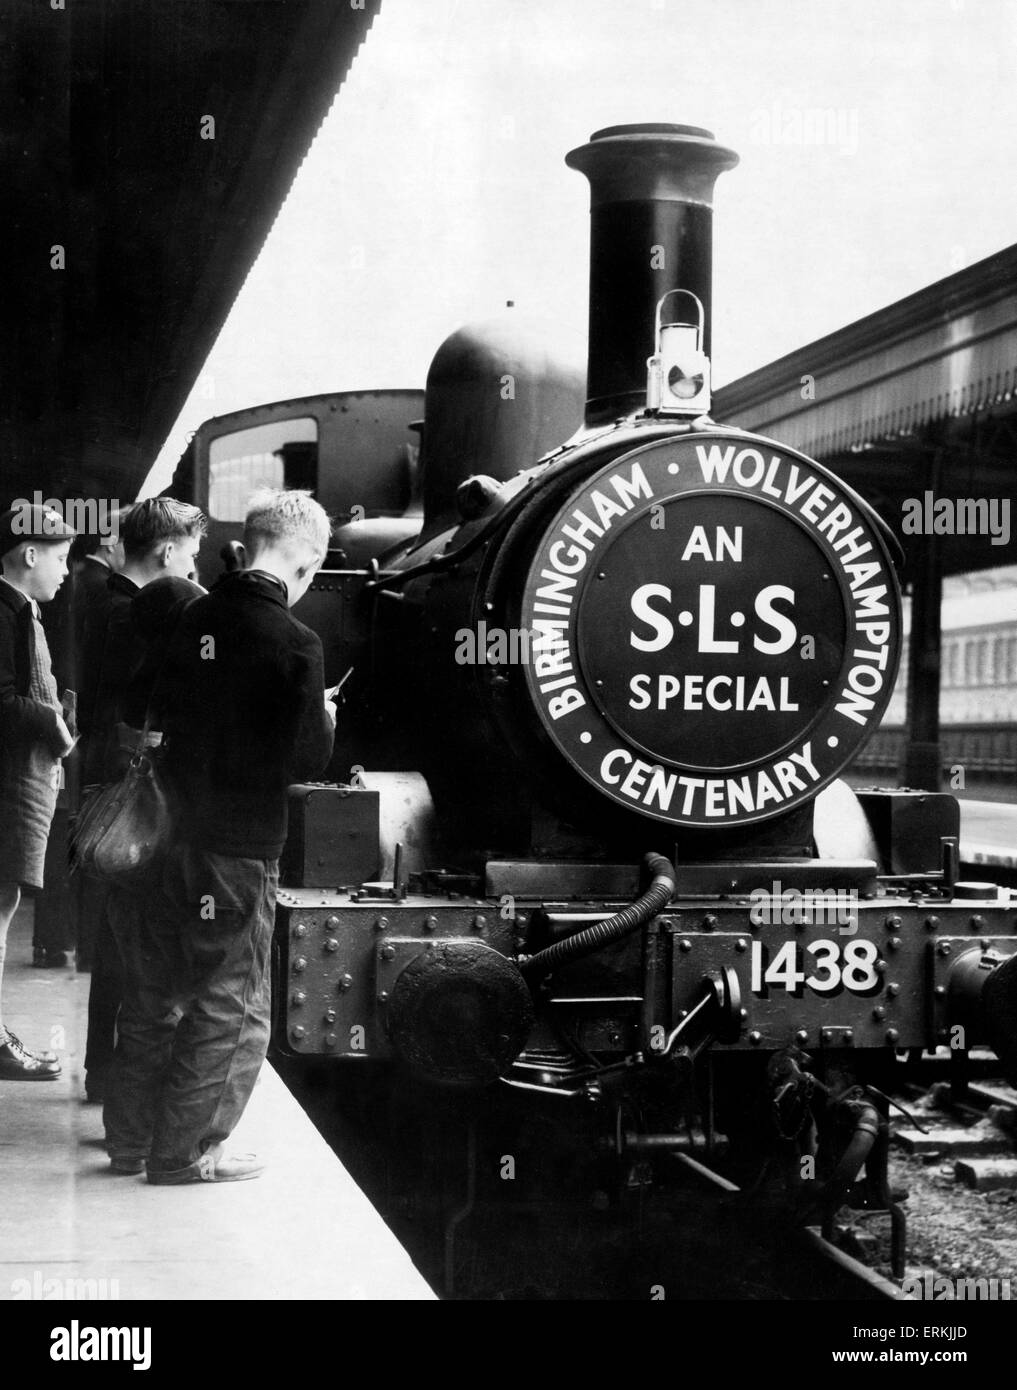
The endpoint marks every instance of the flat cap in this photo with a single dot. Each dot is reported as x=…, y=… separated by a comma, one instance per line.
x=26, y=523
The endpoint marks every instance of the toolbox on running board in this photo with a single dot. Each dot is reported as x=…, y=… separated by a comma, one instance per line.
x=333, y=837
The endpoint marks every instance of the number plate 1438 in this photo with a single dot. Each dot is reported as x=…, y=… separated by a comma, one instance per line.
x=825, y=967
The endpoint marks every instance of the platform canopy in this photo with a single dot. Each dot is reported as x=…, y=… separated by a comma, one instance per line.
x=918, y=397
x=132, y=221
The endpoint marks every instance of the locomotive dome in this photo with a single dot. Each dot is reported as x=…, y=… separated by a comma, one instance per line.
x=500, y=391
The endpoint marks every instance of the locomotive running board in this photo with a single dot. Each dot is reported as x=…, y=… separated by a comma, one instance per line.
x=776, y=876
x=558, y=881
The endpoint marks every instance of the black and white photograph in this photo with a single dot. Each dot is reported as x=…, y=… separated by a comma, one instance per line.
x=508, y=665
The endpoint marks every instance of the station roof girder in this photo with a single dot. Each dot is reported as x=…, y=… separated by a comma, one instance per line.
x=919, y=396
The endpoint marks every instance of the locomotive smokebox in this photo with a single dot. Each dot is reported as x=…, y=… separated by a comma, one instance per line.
x=651, y=213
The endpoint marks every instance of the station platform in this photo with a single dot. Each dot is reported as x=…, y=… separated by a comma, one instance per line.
x=70, y=1228
x=989, y=834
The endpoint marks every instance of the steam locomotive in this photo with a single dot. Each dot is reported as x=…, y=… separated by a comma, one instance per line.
x=603, y=662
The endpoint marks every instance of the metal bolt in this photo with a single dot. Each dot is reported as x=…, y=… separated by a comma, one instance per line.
x=825, y=1035
x=329, y=1016
x=892, y=1035
x=944, y=948
x=709, y=922
x=383, y=996
x=332, y=924
x=430, y=922
x=297, y=998
x=755, y=1038
x=977, y=922
x=387, y=953
x=614, y=1038
x=893, y=923
x=479, y=922
x=330, y=1040
x=894, y=943
x=880, y=966
x=940, y=990
x=743, y=1013
x=849, y=1036
x=331, y=944
x=932, y=923
x=345, y=982
x=667, y=923
x=298, y=1031
x=685, y=944
x=879, y=1012
x=300, y=929
x=801, y=1036
x=741, y=944
x=893, y=989
x=299, y=964
x=381, y=924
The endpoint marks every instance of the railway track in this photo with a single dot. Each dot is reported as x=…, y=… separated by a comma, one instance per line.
x=856, y=1278
x=549, y=1235
x=974, y=1127
x=970, y=1131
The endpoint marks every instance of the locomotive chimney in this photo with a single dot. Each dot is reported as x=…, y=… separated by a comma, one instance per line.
x=651, y=196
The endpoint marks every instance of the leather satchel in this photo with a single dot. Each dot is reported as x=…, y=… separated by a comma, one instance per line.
x=123, y=830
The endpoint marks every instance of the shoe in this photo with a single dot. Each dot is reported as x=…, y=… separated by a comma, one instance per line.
x=44, y=959
x=211, y=1168
x=124, y=1164
x=31, y=1052
x=18, y=1064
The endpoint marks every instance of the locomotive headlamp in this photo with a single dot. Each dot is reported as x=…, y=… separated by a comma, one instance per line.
x=678, y=373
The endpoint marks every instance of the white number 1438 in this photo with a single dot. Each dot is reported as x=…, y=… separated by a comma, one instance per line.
x=822, y=966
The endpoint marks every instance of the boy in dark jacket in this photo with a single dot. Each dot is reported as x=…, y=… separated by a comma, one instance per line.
x=242, y=709
x=160, y=538
x=34, y=737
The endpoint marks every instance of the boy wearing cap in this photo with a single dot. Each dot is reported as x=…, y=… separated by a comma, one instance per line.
x=34, y=544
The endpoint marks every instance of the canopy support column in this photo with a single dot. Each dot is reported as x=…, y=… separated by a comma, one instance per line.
x=922, y=756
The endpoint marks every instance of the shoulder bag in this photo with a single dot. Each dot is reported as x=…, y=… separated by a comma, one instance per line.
x=123, y=830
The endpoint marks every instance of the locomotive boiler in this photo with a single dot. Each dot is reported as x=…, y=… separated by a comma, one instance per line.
x=588, y=838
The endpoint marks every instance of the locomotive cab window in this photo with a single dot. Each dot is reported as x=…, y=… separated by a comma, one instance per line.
x=280, y=453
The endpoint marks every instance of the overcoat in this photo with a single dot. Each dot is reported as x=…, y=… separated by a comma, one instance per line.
x=30, y=748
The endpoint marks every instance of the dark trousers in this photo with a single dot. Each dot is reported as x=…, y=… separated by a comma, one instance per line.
x=54, y=918
x=196, y=1014
x=105, y=989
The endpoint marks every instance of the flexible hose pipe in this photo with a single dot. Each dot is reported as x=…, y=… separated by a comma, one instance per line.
x=654, y=900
